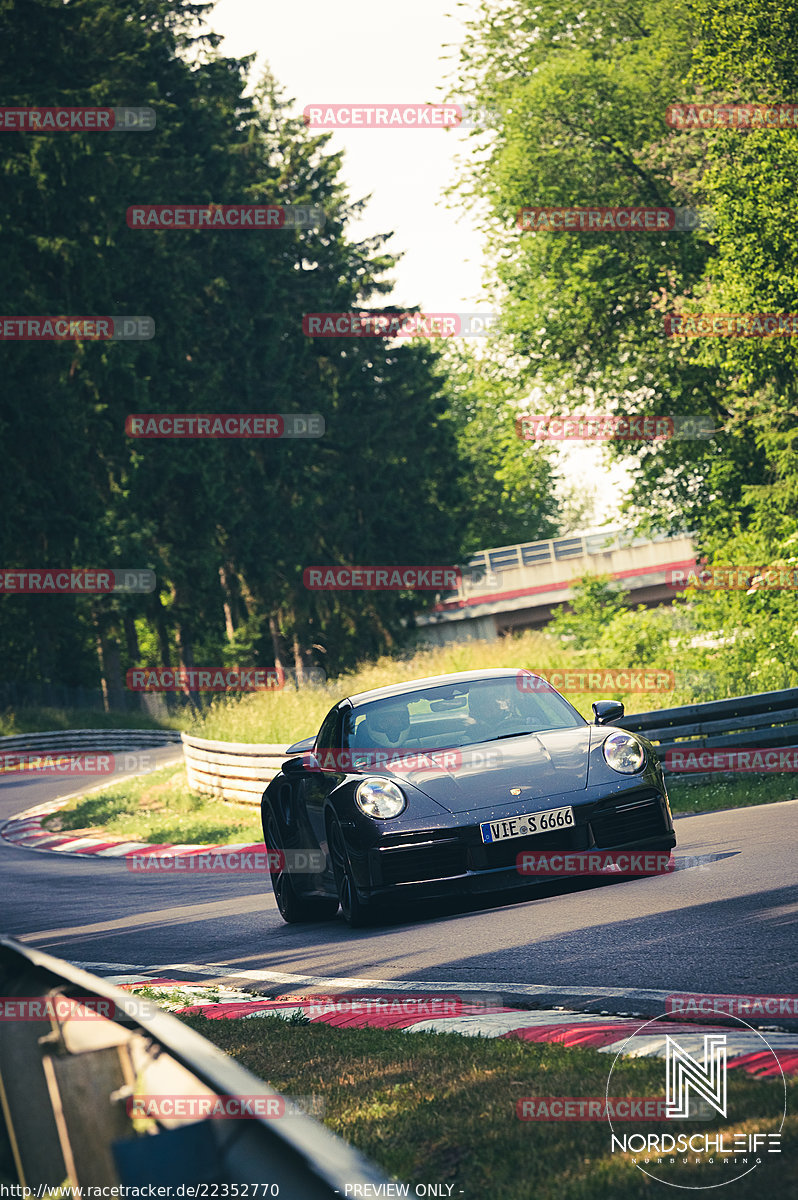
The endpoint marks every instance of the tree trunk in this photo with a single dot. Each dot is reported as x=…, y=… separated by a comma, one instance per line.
x=131, y=637
x=278, y=642
x=110, y=663
x=228, y=600
x=185, y=653
x=163, y=632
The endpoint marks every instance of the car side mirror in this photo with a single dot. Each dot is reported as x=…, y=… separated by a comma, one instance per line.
x=607, y=711
x=302, y=747
x=302, y=762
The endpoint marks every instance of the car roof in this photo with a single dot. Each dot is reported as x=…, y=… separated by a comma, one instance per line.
x=412, y=685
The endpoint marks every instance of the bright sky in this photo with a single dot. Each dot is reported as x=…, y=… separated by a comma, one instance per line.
x=365, y=52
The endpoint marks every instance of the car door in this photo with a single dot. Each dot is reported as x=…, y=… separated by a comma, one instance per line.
x=322, y=778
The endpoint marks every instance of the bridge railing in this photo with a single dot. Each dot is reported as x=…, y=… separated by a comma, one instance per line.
x=484, y=570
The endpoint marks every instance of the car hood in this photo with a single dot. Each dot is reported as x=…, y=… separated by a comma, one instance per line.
x=480, y=776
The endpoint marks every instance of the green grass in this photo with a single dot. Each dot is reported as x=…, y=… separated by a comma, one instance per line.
x=158, y=807
x=441, y=1108
x=746, y=792
x=290, y=714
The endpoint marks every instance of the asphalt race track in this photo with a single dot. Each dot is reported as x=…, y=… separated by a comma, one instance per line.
x=723, y=924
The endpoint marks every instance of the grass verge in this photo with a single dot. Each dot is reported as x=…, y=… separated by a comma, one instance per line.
x=290, y=714
x=731, y=793
x=158, y=807
x=441, y=1108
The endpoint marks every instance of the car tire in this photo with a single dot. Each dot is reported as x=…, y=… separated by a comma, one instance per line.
x=292, y=907
x=355, y=912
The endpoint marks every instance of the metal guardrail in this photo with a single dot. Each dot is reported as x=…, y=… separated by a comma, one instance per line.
x=67, y=1077
x=65, y=740
x=236, y=771
x=767, y=720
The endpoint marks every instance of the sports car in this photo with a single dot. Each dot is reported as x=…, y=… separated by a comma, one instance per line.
x=436, y=789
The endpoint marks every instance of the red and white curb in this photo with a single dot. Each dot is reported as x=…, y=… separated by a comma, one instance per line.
x=26, y=830
x=426, y=1013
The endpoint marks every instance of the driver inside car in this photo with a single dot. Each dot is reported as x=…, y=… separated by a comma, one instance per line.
x=386, y=726
x=489, y=715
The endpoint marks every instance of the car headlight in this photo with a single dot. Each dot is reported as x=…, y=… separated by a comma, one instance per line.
x=623, y=753
x=380, y=798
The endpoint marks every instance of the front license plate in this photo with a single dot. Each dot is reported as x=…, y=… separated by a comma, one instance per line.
x=548, y=821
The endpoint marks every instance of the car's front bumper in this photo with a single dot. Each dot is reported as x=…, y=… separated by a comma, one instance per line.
x=454, y=861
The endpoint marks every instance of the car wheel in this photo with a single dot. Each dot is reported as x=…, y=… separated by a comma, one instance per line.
x=292, y=907
x=354, y=911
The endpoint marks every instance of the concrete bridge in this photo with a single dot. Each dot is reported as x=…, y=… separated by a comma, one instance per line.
x=511, y=588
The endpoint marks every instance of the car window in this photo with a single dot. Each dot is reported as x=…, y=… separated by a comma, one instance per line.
x=327, y=738
x=459, y=715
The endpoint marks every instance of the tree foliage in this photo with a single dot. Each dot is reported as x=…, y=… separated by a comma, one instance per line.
x=227, y=526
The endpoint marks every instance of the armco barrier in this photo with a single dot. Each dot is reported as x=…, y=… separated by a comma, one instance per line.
x=767, y=720
x=68, y=1079
x=231, y=770
x=64, y=741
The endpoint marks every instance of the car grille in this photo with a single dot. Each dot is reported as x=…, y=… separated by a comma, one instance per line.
x=413, y=863
x=629, y=822
x=505, y=854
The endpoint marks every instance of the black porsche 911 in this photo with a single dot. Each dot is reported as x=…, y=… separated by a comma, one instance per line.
x=434, y=788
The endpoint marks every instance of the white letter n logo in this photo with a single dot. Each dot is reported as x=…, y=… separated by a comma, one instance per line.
x=707, y=1079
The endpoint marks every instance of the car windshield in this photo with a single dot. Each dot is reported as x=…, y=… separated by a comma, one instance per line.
x=459, y=715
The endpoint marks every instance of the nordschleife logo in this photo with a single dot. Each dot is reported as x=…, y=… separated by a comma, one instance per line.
x=721, y=1121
